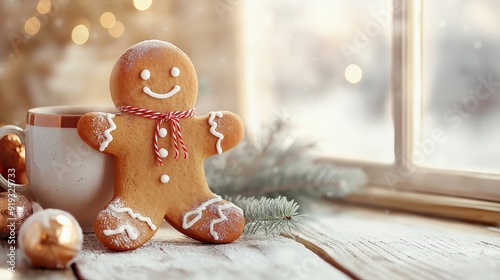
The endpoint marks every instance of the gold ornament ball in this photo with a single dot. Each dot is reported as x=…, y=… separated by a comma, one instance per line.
x=15, y=208
x=50, y=238
x=12, y=158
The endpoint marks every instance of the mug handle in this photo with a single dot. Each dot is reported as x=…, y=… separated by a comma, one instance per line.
x=4, y=183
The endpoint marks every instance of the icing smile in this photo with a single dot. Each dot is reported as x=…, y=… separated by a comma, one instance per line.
x=153, y=94
x=146, y=74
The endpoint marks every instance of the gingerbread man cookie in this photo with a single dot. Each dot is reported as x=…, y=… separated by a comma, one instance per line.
x=158, y=145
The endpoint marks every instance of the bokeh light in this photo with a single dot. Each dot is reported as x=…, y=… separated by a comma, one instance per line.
x=117, y=30
x=353, y=73
x=80, y=34
x=142, y=5
x=44, y=6
x=107, y=20
x=32, y=26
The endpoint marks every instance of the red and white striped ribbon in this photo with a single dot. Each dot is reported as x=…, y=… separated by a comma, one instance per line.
x=161, y=117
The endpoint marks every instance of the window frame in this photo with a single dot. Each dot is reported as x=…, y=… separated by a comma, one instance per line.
x=408, y=110
x=466, y=196
x=406, y=91
x=406, y=94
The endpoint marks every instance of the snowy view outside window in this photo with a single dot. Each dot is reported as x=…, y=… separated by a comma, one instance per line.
x=328, y=65
x=461, y=84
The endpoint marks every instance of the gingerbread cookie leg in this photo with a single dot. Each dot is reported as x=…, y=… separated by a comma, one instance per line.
x=210, y=219
x=125, y=225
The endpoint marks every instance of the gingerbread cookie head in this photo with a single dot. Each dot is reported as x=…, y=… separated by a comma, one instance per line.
x=156, y=75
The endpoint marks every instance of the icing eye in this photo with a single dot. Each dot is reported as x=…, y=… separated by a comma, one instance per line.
x=145, y=74
x=175, y=72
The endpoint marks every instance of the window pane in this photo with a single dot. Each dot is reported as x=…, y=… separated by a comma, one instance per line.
x=461, y=79
x=327, y=64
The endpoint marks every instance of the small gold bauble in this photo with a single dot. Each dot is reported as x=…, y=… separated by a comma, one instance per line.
x=50, y=238
x=15, y=208
x=12, y=158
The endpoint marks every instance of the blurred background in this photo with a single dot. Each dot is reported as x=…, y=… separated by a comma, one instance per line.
x=325, y=63
x=56, y=52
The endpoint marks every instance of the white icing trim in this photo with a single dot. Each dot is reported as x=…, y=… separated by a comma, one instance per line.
x=132, y=234
x=197, y=212
x=221, y=218
x=133, y=215
x=107, y=132
x=166, y=95
x=213, y=126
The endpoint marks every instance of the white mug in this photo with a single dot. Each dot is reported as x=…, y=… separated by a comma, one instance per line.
x=63, y=172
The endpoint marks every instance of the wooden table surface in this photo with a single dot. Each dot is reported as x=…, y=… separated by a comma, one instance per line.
x=336, y=243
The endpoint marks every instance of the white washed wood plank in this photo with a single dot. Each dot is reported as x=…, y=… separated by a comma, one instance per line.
x=24, y=271
x=170, y=255
x=374, y=244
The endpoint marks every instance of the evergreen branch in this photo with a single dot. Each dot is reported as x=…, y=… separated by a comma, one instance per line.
x=313, y=180
x=271, y=168
x=279, y=164
x=269, y=216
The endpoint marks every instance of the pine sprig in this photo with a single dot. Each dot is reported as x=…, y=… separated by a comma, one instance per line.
x=279, y=164
x=260, y=174
x=269, y=216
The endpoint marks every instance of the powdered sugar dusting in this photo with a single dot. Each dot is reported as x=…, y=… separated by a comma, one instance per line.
x=96, y=129
x=132, y=214
x=220, y=227
x=170, y=255
x=150, y=50
x=221, y=218
x=125, y=231
x=130, y=231
x=197, y=213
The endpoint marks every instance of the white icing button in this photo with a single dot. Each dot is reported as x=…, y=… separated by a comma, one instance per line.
x=145, y=74
x=175, y=72
x=163, y=153
x=164, y=179
x=163, y=132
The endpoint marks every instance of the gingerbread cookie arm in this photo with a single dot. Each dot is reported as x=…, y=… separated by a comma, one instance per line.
x=225, y=130
x=96, y=130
